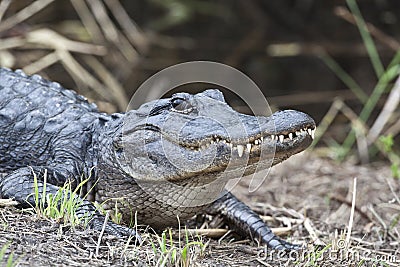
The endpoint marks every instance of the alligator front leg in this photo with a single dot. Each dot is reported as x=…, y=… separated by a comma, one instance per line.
x=19, y=185
x=246, y=222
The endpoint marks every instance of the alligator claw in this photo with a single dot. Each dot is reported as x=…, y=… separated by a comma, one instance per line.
x=97, y=223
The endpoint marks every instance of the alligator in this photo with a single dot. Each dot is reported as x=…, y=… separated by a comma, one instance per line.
x=163, y=163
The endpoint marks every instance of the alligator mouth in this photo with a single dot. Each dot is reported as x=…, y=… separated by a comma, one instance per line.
x=282, y=145
x=211, y=155
x=253, y=143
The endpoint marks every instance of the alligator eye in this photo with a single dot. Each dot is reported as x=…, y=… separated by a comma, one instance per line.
x=177, y=102
x=181, y=105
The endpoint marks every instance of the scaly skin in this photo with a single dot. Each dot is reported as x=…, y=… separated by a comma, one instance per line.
x=171, y=157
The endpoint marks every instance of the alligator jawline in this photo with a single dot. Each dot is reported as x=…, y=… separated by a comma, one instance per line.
x=254, y=141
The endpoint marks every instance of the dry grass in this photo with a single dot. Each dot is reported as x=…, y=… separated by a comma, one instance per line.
x=91, y=50
x=309, y=202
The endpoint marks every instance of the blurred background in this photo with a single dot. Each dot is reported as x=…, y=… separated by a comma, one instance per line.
x=336, y=60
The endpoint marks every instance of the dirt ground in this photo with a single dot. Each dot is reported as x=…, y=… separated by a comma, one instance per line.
x=307, y=199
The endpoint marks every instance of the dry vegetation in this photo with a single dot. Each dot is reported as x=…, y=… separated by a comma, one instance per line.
x=309, y=202
x=312, y=200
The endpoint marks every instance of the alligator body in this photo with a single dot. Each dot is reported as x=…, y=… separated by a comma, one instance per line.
x=170, y=158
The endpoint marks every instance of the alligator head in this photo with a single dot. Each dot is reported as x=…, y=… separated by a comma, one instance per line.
x=173, y=157
x=182, y=138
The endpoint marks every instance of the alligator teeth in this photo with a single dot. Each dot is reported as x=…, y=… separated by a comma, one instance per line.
x=240, y=149
x=248, y=146
x=313, y=133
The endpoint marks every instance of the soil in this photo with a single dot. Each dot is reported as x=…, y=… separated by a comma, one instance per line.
x=307, y=199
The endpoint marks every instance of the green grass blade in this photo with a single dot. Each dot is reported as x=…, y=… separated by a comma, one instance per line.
x=163, y=243
x=10, y=261
x=379, y=89
x=43, y=199
x=367, y=39
x=344, y=77
x=36, y=191
x=395, y=60
x=3, y=251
